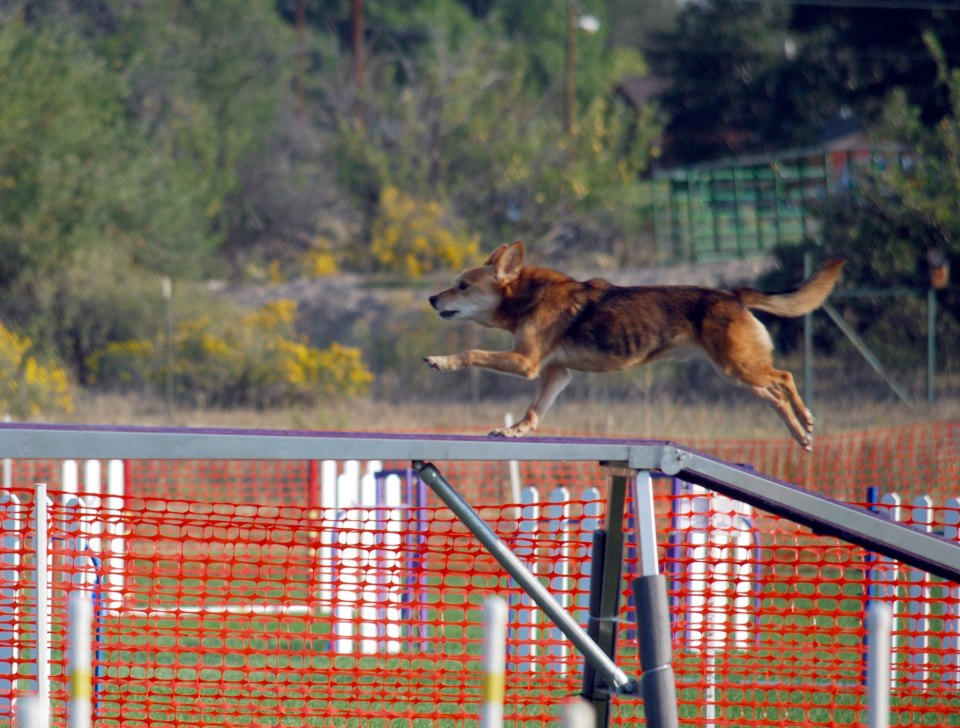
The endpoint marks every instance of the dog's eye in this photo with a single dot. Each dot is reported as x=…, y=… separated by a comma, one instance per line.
x=463, y=286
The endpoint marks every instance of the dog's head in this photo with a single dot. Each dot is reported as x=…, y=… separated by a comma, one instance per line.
x=478, y=291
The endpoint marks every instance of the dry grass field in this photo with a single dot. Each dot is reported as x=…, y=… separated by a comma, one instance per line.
x=656, y=416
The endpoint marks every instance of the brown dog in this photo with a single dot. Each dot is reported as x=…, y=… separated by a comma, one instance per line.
x=560, y=324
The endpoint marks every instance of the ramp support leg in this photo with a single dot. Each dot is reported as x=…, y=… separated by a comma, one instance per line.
x=605, y=580
x=658, y=683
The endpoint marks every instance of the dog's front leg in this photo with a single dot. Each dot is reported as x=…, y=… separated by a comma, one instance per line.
x=553, y=380
x=508, y=362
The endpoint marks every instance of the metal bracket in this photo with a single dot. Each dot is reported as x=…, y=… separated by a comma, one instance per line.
x=673, y=460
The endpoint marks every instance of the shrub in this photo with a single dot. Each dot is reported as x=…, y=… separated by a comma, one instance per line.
x=414, y=236
x=28, y=387
x=255, y=359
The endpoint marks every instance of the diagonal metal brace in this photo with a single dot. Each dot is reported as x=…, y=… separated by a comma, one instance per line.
x=605, y=667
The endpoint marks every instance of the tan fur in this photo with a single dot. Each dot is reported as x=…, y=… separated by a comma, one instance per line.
x=562, y=325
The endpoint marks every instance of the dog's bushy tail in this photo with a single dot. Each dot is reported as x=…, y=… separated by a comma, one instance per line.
x=806, y=297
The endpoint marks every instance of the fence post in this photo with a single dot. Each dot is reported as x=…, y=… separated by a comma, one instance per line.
x=391, y=590
x=31, y=713
x=918, y=604
x=528, y=615
x=494, y=661
x=116, y=543
x=371, y=537
x=558, y=527
x=40, y=515
x=79, y=707
x=347, y=594
x=588, y=523
x=11, y=519
x=951, y=642
x=328, y=513
x=884, y=577
x=879, y=619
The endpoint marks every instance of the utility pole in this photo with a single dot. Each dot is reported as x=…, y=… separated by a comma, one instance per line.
x=569, y=109
x=301, y=25
x=357, y=43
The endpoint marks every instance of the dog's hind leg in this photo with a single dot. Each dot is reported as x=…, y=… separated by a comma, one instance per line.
x=773, y=392
x=553, y=380
x=789, y=388
x=743, y=351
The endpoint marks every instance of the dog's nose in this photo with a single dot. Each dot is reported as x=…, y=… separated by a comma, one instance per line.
x=433, y=301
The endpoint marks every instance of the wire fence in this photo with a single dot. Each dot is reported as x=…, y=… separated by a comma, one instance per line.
x=232, y=614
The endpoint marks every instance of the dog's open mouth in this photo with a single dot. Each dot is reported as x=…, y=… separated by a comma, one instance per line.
x=448, y=314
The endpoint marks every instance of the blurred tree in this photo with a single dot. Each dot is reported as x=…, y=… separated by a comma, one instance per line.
x=899, y=209
x=737, y=84
x=205, y=79
x=485, y=149
x=93, y=197
x=864, y=52
x=753, y=77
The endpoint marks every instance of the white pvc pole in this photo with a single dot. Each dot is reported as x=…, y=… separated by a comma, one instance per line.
x=879, y=621
x=79, y=706
x=514, y=466
x=30, y=714
x=577, y=713
x=43, y=605
x=494, y=662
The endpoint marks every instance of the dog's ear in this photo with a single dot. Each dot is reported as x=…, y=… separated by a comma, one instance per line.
x=507, y=260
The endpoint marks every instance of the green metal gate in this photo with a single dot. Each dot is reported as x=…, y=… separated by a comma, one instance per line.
x=747, y=206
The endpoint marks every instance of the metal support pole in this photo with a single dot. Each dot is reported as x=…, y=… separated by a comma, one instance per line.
x=605, y=590
x=614, y=676
x=610, y=590
x=658, y=685
x=599, y=699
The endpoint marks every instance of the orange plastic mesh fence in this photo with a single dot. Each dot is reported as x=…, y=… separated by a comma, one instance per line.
x=266, y=615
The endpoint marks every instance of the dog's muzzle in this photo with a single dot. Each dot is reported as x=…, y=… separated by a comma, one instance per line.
x=443, y=314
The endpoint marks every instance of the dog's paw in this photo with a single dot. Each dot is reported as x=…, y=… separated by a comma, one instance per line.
x=443, y=363
x=506, y=432
x=517, y=430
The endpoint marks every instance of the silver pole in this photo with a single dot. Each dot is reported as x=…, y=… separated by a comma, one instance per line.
x=879, y=620
x=658, y=683
x=645, y=524
x=614, y=676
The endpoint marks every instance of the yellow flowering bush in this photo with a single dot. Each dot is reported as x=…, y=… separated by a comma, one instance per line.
x=415, y=236
x=254, y=359
x=319, y=262
x=28, y=387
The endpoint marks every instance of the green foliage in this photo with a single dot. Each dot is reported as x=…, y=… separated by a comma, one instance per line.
x=29, y=387
x=485, y=147
x=145, y=139
x=206, y=78
x=75, y=309
x=76, y=171
x=255, y=359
